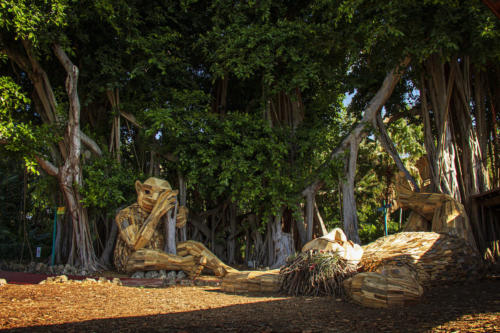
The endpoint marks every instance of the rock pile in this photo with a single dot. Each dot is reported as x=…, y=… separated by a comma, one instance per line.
x=42, y=268
x=170, y=278
x=64, y=279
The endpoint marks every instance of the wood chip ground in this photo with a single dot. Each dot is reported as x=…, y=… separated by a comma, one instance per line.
x=110, y=308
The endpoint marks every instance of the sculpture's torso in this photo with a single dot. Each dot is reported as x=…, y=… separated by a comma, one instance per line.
x=134, y=216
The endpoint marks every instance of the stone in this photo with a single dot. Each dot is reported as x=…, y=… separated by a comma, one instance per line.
x=61, y=279
x=138, y=275
x=17, y=267
x=31, y=266
x=67, y=269
x=186, y=283
x=180, y=275
x=151, y=275
x=40, y=267
x=3, y=282
x=117, y=281
x=172, y=275
x=162, y=274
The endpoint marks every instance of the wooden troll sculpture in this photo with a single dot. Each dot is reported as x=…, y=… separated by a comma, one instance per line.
x=141, y=242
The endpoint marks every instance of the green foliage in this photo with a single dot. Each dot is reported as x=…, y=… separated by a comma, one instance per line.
x=238, y=157
x=36, y=21
x=108, y=184
x=19, y=134
x=12, y=102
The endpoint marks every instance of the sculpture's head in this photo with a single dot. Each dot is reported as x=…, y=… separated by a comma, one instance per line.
x=149, y=191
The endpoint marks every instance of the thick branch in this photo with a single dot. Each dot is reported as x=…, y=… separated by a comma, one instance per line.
x=42, y=85
x=389, y=147
x=91, y=144
x=374, y=106
x=48, y=167
x=403, y=114
x=130, y=117
x=73, y=127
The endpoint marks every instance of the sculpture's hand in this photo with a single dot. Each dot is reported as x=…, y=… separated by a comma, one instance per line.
x=182, y=216
x=165, y=202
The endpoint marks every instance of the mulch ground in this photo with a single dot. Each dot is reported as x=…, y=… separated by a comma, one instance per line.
x=472, y=307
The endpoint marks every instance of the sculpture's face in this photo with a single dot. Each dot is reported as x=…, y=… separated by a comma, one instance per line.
x=149, y=191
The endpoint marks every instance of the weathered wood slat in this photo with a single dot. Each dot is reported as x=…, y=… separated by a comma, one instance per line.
x=436, y=257
x=391, y=285
x=197, y=249
x=251, y=281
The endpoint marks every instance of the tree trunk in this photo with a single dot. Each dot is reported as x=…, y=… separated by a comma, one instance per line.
x=231, y=242
x=459, y=167
x=301, y=228
x=69, y=174
x=349, y=201
x=182, y=201
x=114, y=145
x=310, y=215
x=282, y=243
x=109, y=247
x=170, y=219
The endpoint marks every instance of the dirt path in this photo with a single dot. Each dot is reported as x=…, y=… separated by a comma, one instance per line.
x=110, y=308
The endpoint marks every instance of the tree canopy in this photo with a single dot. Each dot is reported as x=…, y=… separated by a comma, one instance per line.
x=258, y=111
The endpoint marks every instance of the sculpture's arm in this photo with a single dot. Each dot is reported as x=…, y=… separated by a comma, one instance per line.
x=166, y=201
x=127, y=227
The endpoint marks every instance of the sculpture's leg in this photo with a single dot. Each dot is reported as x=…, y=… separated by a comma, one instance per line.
x=451, y=218
x=197, y=249
x=148, y=260
x=417, y=223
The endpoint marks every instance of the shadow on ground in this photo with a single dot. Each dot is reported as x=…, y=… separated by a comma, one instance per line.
x=463, y=307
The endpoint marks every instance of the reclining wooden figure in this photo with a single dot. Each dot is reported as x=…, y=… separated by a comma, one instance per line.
x=141, y=235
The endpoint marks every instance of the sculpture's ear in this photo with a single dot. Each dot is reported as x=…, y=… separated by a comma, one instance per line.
x=138, y=187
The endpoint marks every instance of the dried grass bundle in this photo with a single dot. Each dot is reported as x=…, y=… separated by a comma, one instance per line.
x=315, y=273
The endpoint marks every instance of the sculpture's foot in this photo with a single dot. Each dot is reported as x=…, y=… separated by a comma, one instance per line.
x=200, y=263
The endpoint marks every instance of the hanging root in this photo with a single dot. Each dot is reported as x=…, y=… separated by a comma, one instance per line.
x=315, y=273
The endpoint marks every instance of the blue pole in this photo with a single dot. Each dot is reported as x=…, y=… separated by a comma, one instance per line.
x=53, y=257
